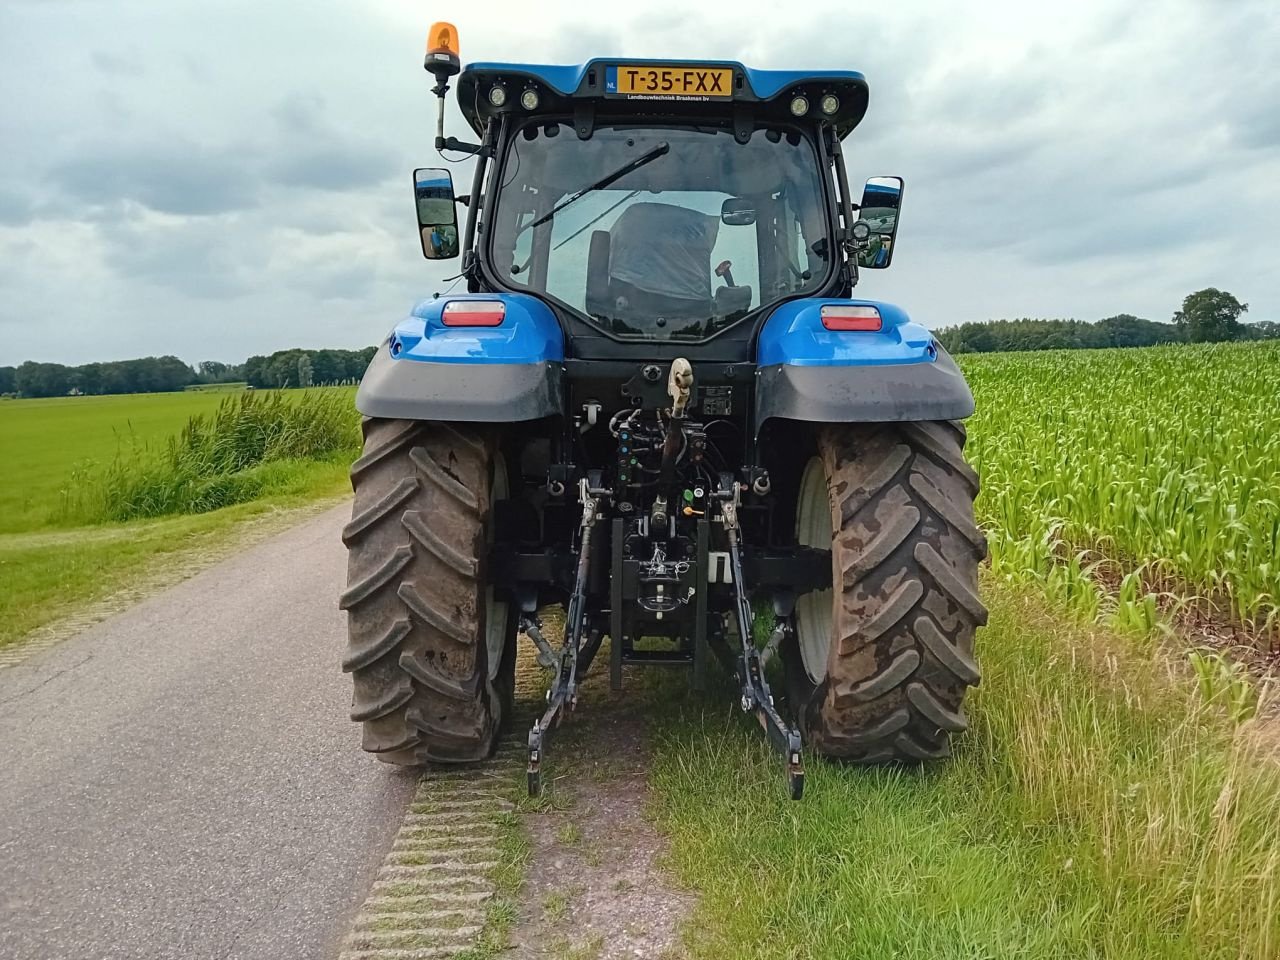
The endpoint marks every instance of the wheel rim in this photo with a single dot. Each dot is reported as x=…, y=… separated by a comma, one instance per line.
x=813, y=609
x=495, y=611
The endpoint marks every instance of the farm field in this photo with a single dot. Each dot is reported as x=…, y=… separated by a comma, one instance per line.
x=1162, y=461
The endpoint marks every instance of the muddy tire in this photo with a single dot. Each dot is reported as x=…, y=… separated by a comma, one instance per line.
x=880, y=663
x=431, y=654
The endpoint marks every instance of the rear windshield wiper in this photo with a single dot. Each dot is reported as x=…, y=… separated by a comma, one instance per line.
x=661, y=150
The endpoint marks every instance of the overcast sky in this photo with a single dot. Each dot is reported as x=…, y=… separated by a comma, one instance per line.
x=223, y=178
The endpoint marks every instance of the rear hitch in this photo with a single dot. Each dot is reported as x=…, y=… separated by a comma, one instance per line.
x=756, y=697
x=564, y=686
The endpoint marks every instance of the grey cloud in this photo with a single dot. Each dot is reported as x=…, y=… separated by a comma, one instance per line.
x=332, y=166
x=1258, y=125
x=183, y=180
x=194, y=258
x=299, y=113
x=16, y=208
x=344, y=282
x=1117, y=232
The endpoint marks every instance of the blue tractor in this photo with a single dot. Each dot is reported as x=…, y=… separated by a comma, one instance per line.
x=659, y=405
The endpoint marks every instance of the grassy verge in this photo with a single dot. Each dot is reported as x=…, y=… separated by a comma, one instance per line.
x=1098, y=808
x=252, y=446
x=158, y=509
x=48, y=576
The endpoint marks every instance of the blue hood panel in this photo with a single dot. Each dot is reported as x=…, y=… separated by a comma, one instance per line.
x=529, y=333
x=794, y=335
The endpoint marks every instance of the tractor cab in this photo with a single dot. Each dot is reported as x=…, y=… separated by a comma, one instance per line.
x=668, y=202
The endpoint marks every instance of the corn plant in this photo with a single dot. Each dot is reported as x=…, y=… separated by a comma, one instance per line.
x=1164, y=460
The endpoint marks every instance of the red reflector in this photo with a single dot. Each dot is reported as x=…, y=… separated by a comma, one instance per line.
x=473, y=313
x=850, y=318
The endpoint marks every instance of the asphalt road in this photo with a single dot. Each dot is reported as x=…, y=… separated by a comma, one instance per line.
x=182, y=781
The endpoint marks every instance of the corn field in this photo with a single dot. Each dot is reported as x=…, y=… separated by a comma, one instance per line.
x=1155, y=469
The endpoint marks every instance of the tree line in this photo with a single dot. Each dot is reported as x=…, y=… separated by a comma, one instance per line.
x=284, y=368
x=1208, y=315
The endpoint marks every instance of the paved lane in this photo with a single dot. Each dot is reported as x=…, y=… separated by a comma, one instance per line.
x=181, y=781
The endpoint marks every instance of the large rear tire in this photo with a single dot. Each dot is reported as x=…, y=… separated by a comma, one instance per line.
x=881, y=662
x=430, y=650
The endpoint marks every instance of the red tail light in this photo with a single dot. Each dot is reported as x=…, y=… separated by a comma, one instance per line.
x=473, y=313
x=836, y=317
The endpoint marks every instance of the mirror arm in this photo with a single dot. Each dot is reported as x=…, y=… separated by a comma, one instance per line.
x=846, y=207
x=470, y=257
x=453, y=143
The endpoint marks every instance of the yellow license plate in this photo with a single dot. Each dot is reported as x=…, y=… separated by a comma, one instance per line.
x=690, y=83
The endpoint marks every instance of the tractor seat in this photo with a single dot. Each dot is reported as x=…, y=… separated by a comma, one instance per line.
x=654, y=262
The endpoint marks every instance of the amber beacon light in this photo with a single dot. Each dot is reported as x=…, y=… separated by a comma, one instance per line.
x=443, y=58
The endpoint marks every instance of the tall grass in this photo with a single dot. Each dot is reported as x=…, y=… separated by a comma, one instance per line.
x=252, y=445
x=1163, y=460
x=1099, y=807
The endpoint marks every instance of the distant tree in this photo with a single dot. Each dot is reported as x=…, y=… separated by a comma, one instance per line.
x=43, y=379
x=1126, y=330
x=255, y=371
x=1261, y=330
x=88, y=378
x=284, y=368
x=1122, y=330
x=1210, y=316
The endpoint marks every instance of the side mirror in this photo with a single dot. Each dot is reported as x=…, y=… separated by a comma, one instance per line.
x=736, y=212
x=437, y=215
x=878, y=221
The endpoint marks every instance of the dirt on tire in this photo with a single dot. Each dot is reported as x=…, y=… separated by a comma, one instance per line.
x=415, y=593
x=905, y=556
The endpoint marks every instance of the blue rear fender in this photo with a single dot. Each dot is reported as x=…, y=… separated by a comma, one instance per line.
x=429, y=371
x=897, y=373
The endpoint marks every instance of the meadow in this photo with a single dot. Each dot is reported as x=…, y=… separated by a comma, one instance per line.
x=98, y=492
x=51, y=445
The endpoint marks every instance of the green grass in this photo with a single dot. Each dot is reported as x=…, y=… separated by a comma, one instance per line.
x=251, y=446
x=46, y=576
x=102, y=492
x=55, y=448
x=52, y=446
x=235, y=386
x=1097, y=808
